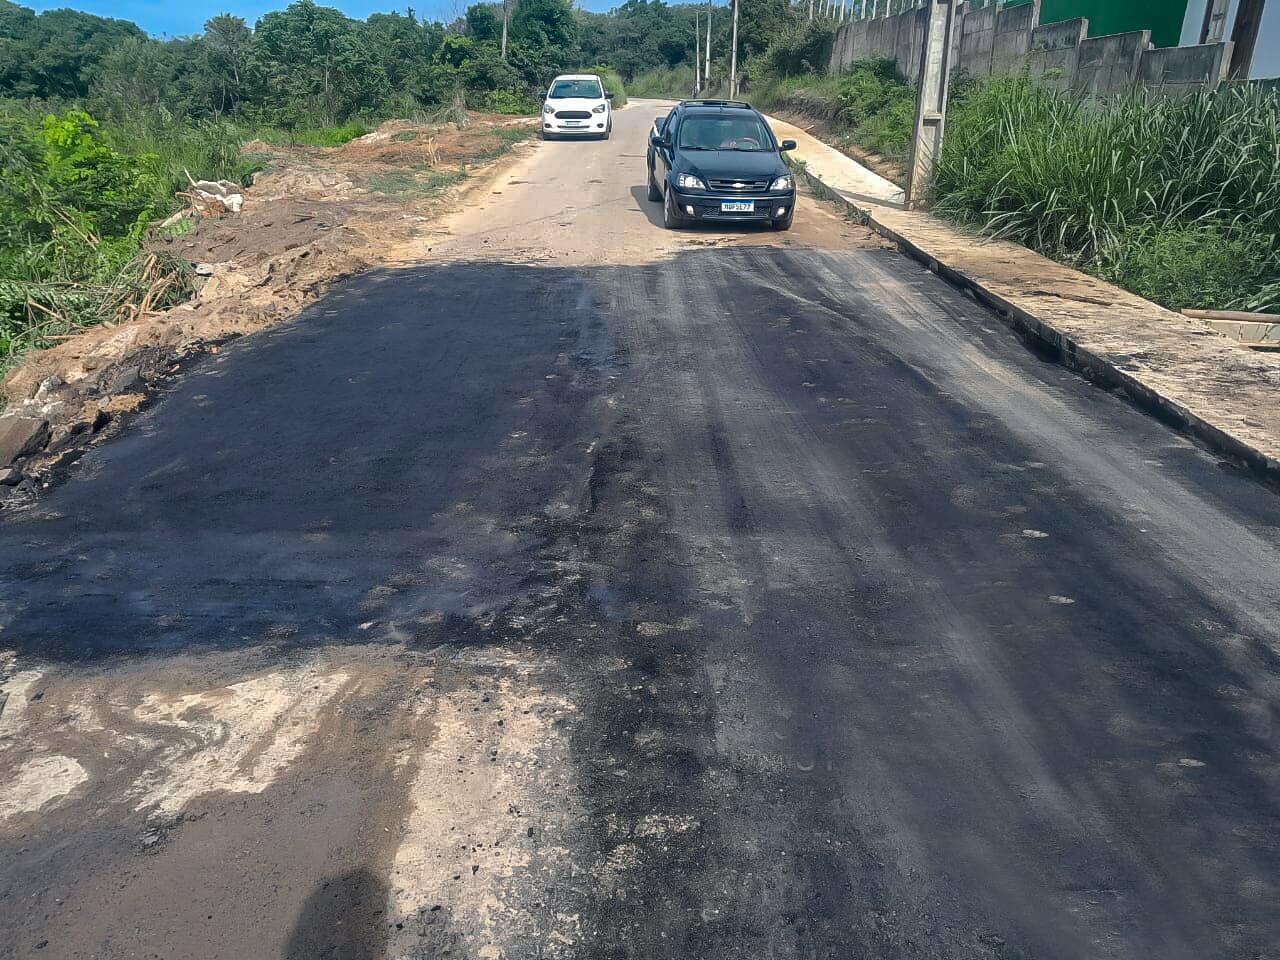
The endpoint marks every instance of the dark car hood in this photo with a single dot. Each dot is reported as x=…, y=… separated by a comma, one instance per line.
x=733, y=164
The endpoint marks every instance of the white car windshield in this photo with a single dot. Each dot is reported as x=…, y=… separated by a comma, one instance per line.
x=575, y=90
x=744, y=133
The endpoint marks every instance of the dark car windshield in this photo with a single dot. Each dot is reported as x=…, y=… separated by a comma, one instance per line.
x=575, y=89
x=743, y=132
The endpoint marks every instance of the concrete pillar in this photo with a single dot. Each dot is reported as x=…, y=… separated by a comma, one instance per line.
x=931, y=98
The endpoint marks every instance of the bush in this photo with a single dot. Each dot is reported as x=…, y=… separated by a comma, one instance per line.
x=1185, y=266
x=1178, y=199
x=612, y=84
x=74, y=206
x=801, y=50
x=505, y=102
x=664, y=82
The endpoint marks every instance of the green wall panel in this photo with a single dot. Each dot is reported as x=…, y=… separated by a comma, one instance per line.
x=1162, y=17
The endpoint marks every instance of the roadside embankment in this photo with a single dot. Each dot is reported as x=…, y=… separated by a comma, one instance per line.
x=1195, y=379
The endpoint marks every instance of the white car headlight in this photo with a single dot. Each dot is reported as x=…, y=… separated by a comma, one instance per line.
x=782, y=183
x=686, y=181
x=548, y=108
x=600, y=109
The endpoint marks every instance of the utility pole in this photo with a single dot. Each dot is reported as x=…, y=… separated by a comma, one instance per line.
x=506, y=18
x=706, y=71
x=1215, y=21
x=1245, y=37
x=697, y=52
x=931, y=98
x=733, y=57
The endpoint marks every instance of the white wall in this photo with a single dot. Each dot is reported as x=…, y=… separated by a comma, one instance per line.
x=1266, y=52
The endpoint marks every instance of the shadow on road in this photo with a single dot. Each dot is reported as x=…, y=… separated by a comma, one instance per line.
x=652, y=209
x=343, y=919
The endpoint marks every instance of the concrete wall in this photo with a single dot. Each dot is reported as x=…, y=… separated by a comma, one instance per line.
x=1055, y=52
x=1009, y=39
x=1181, y=70
x=1012, y=38
x=1109, y=65
x=977, y=37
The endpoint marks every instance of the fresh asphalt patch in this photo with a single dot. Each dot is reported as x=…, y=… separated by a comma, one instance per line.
x=806, y=612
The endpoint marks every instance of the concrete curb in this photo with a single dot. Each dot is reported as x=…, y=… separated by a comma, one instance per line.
x=1068, y=352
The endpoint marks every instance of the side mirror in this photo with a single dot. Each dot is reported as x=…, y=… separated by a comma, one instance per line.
x=608, y=96
x=787, y=145
x=655, y=140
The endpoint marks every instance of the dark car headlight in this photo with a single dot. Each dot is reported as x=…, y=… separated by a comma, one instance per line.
x=784, y=182
x=687, y=181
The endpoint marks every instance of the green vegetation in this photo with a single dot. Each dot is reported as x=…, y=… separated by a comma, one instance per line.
x=75, y=200
x=867, y=105
x=1175, y=199
x=664, y=82
x=311, y=136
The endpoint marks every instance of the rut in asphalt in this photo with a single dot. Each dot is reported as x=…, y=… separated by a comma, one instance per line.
x=919, y=646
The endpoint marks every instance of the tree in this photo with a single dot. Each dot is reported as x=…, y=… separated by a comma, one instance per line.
x=482, y=22
x=546, y=23
x=226, y=51
x=56, y=53
x=311, y=63
x=762, y=21
x=138, y=72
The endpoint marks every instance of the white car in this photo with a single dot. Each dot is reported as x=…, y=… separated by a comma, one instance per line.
x=576, y=105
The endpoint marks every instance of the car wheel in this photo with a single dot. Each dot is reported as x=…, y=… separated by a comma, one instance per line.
x=670, y=219
x=607, y=130
x=654, y=193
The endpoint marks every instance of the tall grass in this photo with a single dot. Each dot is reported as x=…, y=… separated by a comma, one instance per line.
x=75, y=202
x=1177, y=200
x=308, y=137
x=663, y=82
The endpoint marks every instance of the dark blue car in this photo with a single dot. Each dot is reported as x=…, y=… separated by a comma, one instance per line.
x=718, y=160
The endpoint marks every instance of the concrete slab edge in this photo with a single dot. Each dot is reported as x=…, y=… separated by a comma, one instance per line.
x=1069, y=353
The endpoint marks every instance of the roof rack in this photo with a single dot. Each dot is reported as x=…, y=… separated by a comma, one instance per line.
x=715, y=103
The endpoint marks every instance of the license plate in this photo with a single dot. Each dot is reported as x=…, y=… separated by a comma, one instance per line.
x=574, y=123
x=738, y=206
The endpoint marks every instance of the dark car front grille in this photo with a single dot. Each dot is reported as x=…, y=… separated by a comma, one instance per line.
x=738, y=186
x=573, y=114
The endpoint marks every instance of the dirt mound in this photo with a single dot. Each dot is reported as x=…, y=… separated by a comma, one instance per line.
x=301, y=183
x=401, y=145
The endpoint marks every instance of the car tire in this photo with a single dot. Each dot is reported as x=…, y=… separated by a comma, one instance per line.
x=655, y=195
x=785, y=222
x=607, y=131
x=670, y=219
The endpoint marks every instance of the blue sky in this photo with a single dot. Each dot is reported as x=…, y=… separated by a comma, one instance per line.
x=180, y=17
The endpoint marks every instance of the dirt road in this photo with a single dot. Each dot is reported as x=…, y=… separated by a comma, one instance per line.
x=592, y=590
